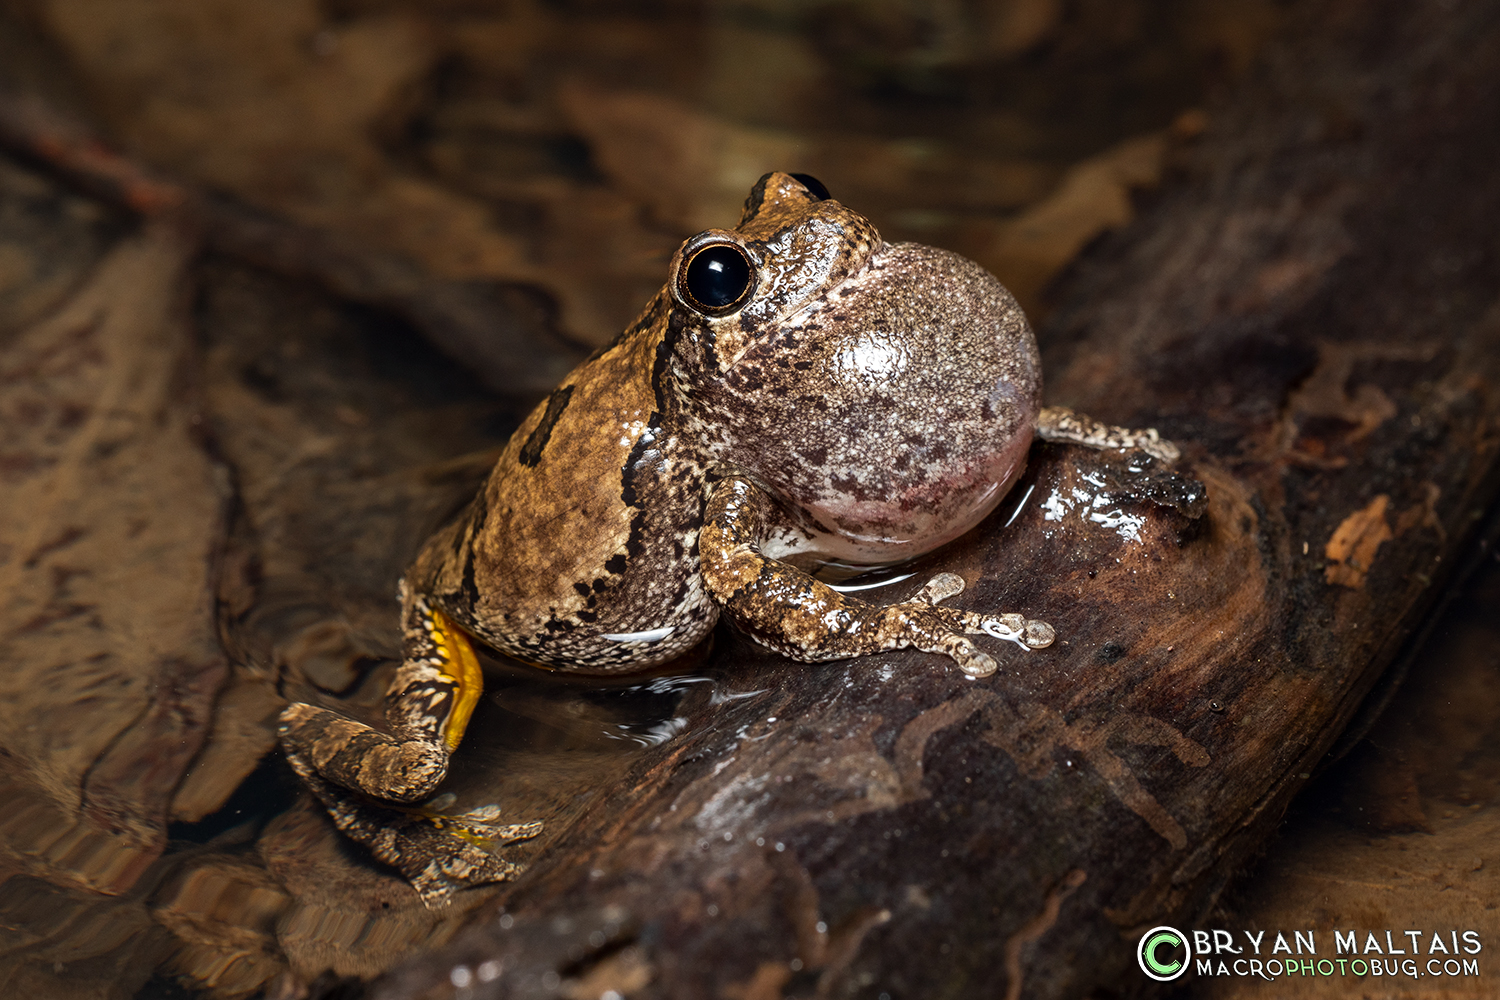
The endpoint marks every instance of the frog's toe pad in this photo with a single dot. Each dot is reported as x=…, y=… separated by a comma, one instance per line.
x=940, y=588
x=1159, y=447
x=970, y=658
x=1039, y=635
x=1024, y=632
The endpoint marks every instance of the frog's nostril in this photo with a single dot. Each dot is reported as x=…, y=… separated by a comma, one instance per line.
x=717, y=277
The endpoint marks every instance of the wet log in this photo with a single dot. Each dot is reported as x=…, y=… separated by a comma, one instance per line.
x=1311, y=311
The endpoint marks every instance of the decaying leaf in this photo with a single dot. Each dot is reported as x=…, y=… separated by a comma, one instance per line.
x=1351, y=551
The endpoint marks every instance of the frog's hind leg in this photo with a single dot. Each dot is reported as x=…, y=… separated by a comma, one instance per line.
x=427, y=706
x=363, y=775
x=1060, y=424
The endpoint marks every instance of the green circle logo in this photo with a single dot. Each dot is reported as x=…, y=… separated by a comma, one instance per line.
x=1157, y=953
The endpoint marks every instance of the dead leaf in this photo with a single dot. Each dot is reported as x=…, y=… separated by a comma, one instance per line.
x=1351, y=550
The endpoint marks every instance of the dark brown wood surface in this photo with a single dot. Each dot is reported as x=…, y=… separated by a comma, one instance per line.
x=1309, y=308
x=1312, y=312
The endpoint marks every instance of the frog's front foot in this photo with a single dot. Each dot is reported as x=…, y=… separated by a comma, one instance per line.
x=1060, y=424
x=1025, y=632
x=784, y=608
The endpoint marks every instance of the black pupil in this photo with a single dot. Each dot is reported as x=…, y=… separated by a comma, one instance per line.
x=718, y=276
x=814, y=186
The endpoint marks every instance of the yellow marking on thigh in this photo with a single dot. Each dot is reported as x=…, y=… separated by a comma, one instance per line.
x=460, y=667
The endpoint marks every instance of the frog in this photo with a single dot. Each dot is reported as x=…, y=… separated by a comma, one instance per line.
x=801, y=401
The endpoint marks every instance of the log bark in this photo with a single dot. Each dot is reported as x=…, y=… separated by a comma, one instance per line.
x=1311, y=311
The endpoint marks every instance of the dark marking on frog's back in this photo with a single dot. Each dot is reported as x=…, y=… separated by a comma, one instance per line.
x=479, y=513
x=754, y=200
x=531, y=451
x=468, y=586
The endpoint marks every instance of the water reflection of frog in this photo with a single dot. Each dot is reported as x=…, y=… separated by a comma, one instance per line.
x=801, y=396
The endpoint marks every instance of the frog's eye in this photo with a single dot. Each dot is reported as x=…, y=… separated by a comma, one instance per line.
x=814, y=186
x=716, y=278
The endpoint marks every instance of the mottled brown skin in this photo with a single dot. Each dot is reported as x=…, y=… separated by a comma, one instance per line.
x=863, y=403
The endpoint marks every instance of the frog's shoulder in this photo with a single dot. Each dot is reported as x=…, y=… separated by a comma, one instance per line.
x=619, y=380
